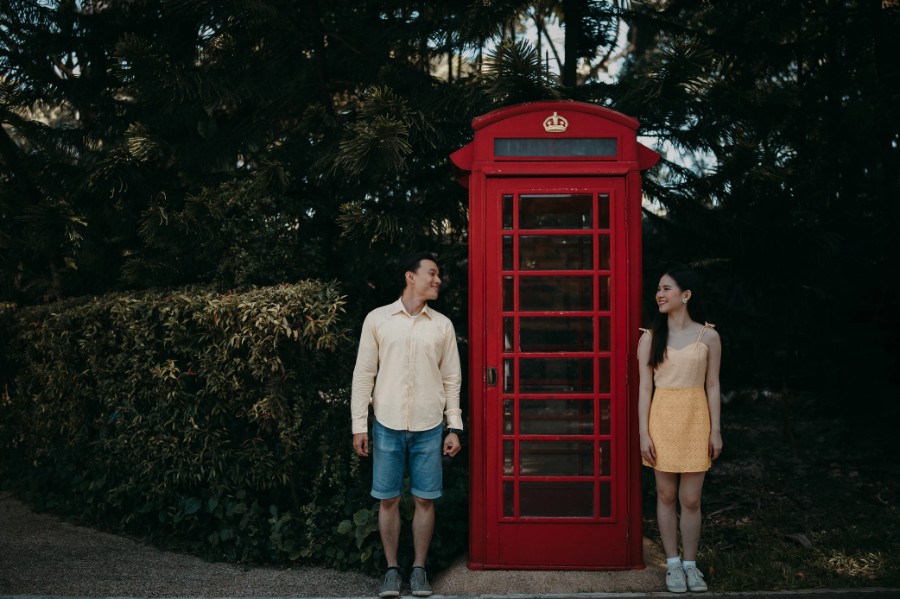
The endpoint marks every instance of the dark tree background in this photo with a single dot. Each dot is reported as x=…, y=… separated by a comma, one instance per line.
x=152, y=143
x=786, y=114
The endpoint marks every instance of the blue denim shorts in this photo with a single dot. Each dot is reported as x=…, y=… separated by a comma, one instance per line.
x=394, y=449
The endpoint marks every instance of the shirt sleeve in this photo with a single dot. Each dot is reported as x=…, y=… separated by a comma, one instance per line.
x=451, y=374
x=364, y=377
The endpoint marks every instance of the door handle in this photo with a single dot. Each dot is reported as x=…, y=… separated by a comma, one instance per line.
x=490, y=376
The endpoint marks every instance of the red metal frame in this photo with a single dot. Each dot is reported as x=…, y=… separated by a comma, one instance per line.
x=611, y=538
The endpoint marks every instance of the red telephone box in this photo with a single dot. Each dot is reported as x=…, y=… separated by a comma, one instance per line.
x=554, y=294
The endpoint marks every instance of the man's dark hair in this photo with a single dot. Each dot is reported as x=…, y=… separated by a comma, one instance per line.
x=410, y=263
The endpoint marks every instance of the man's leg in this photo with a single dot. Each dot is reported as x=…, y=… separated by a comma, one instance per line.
x=423, y=529
x=389, y=529
x=426, y=477
x=388, y=465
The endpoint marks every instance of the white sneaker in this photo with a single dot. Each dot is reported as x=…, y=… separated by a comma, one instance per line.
x=695, y=582
x=675, y=580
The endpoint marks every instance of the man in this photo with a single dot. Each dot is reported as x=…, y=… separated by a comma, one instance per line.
x=408, y=369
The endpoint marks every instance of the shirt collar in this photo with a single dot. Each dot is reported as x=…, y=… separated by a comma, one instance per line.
x=397, y=308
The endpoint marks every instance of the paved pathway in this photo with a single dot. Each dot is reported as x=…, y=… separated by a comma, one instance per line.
x=42, y=556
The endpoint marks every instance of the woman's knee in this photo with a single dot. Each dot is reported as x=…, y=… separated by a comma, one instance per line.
x=666, y=495
x=689, y=500
x=666, y=487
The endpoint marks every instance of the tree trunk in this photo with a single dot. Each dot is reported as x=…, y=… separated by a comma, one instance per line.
x=572, y=12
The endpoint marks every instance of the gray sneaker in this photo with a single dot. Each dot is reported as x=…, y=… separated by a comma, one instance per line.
x=418, y=582
x=695, y=582
x=675, y=581
x=391, y=585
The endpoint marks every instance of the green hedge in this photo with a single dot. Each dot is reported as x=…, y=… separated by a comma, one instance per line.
x=216, y=424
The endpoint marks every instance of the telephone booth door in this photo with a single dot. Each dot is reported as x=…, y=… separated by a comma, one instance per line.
x=553, y=271
x=554, y=276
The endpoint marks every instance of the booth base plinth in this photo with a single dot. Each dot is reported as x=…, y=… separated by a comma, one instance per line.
x=460, y=579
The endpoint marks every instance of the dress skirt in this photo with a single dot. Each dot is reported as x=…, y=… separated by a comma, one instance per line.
x=679, y=428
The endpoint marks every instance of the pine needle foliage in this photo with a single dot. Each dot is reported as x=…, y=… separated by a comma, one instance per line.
x=782, y=181
x=133, y=115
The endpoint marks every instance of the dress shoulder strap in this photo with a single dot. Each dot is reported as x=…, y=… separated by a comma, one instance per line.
x=645, y=333
x=706, y=327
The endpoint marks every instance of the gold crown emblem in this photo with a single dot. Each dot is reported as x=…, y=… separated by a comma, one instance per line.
x=555, y=124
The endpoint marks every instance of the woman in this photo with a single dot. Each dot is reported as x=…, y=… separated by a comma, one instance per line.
x=679, y=428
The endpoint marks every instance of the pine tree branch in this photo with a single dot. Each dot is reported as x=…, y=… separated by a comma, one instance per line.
x=26, y=183
x=553, y=48
x=314, y=22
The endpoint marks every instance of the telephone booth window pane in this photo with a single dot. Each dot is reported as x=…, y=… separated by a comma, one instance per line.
x=507, y=211
x=508, y=457
x=509, y=374
x=604, y=417
x=604, y=293
x=604, y=252
x=507, y=252
x=508, y=333
x=604, y=375
x=603, y=211
x=508, y=415
x=538, y=458
x=605, y=499
x=603, y=333
x=509, y=500
x=556, y=211
x=509, y=286
x=555, y=375
x=556, y=417
x=604, y=458
x=556, y=334
x=556, y=500
x=555, y=293
x=553, y=252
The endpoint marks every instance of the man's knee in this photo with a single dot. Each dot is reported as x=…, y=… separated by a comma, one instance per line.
x=423, y=504
x=390, y=505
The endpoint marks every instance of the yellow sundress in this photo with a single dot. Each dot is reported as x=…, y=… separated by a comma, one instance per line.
x=679, y=412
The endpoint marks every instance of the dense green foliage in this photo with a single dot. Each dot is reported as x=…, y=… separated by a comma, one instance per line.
x=202, y=420
x=214, y=423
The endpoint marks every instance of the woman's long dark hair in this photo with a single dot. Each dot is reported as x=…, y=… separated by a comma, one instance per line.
x=687, y=280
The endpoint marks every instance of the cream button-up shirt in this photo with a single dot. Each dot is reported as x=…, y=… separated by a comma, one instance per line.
x=408, y=369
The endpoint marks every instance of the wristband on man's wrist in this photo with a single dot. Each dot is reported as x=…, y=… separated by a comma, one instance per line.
x=456, y=431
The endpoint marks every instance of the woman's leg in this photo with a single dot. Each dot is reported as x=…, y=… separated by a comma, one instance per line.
x=666, y=516
x=689, y=497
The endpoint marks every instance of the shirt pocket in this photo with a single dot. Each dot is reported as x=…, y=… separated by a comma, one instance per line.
x=432, y=344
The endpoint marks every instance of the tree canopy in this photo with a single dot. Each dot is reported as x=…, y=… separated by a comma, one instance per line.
x=783, y=120
x=153, y=143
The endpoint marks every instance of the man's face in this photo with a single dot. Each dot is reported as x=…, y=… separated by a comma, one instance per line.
x=425, y=281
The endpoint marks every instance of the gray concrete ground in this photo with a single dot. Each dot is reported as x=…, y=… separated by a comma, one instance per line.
x=42, y=556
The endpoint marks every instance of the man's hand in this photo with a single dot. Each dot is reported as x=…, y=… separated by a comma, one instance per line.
x=361, y=444
x=451, y=444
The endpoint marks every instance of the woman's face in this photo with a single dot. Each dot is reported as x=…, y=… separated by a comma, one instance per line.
x=669, y=296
